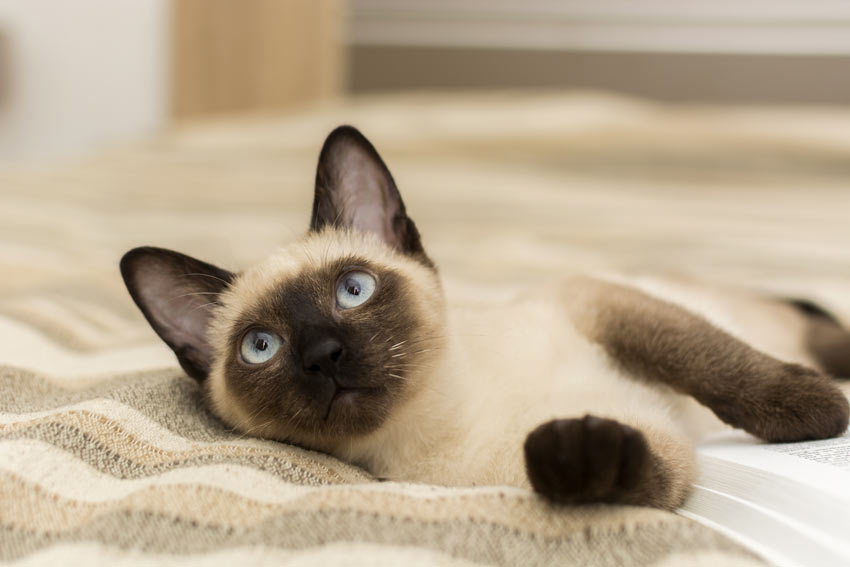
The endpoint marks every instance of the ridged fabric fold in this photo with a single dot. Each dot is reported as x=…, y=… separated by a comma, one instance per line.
x=135, y=467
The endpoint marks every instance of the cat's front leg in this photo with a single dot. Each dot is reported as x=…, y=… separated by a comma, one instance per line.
x=595, y=459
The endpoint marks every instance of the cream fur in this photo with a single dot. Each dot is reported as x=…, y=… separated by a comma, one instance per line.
x=504, y=369
x=509, y=369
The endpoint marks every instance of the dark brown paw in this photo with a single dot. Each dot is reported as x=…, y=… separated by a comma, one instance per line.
x=586, y=460
x=792, y=403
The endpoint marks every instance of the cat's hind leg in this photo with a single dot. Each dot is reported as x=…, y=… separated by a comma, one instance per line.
x=826, y=338
x=657, y=341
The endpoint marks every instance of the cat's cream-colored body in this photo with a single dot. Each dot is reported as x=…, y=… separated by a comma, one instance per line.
x=494, y=372
x=506, y=370
x=585, y=390
x=510, y=367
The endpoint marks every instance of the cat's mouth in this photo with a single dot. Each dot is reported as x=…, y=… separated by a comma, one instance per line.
x=345, y=399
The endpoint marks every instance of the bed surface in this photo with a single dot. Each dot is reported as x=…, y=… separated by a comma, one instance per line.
x=106, y=455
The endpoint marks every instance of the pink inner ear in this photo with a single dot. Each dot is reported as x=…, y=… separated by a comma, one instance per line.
x=186, y=316
x=180, y=310
x=355, y=189
x=368, y=202
x=177, y=294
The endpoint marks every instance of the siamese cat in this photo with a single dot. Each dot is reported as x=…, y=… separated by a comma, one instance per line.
x=593, y=389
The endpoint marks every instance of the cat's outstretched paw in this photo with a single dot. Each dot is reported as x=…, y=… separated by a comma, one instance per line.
x=590, y=459
x=790, y=403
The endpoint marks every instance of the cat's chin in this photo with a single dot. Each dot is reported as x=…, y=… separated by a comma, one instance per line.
x=346, y=403
x=349, y=413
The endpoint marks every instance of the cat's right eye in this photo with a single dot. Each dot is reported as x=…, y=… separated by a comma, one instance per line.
x=259, y=345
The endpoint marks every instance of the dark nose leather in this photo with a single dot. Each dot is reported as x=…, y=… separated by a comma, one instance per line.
x=322, y=356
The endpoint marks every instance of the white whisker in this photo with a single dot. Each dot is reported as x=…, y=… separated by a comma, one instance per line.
x=225, y=282
x=205, y=305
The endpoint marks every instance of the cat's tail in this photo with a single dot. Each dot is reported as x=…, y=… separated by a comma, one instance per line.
x=827, y=339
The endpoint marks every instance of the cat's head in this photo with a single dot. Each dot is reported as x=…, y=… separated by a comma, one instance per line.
x=321, y=342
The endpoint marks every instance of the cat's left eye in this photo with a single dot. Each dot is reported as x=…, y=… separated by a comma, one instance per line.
x=259, y=345
x=355, y=288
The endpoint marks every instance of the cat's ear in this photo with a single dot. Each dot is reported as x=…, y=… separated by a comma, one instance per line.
x=354, y=189
x=176, y=294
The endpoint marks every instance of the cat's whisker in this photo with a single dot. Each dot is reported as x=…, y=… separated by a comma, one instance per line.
x=399, y=355
x=193, y=294
x=203, y=306
x=246, y=432
x=308, y=253
x=413, y=365
x=255, y=413
x=259, y=426
x=421, y=340
x=262, y=409
x=295, y=415
x=450, y=336
x=339, y=211
x=226, y=283
x=374, y=336
x=326, y=252
x=196, y=293
x=397, y=345
x=296, y=420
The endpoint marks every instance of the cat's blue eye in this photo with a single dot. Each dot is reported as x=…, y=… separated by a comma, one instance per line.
x=259, y=345
x=354, y=288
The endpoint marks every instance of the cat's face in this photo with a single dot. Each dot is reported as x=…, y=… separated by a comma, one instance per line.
x=324, y=340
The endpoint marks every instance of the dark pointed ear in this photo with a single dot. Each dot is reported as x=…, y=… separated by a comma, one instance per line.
x=354, y=189
x=176, y=294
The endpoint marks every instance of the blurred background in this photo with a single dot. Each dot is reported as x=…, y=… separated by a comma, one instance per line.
x=529, y=139
x=76, y=75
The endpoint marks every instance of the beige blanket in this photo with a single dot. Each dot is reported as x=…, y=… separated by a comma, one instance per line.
x=106, y=455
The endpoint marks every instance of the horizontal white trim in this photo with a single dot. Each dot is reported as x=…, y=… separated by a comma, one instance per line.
x=817, y=27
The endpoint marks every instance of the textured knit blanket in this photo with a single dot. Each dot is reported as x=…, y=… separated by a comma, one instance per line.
x=134, y=471
x=107, y=455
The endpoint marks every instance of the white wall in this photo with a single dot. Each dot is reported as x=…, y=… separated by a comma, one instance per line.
x=81, y=74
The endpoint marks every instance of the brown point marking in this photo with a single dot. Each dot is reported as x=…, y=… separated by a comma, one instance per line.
x=658, y=341
x=826, y=339
x=282, y=392
x=592, y=459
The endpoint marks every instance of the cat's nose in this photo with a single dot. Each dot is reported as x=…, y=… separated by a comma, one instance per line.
x=323, y=356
